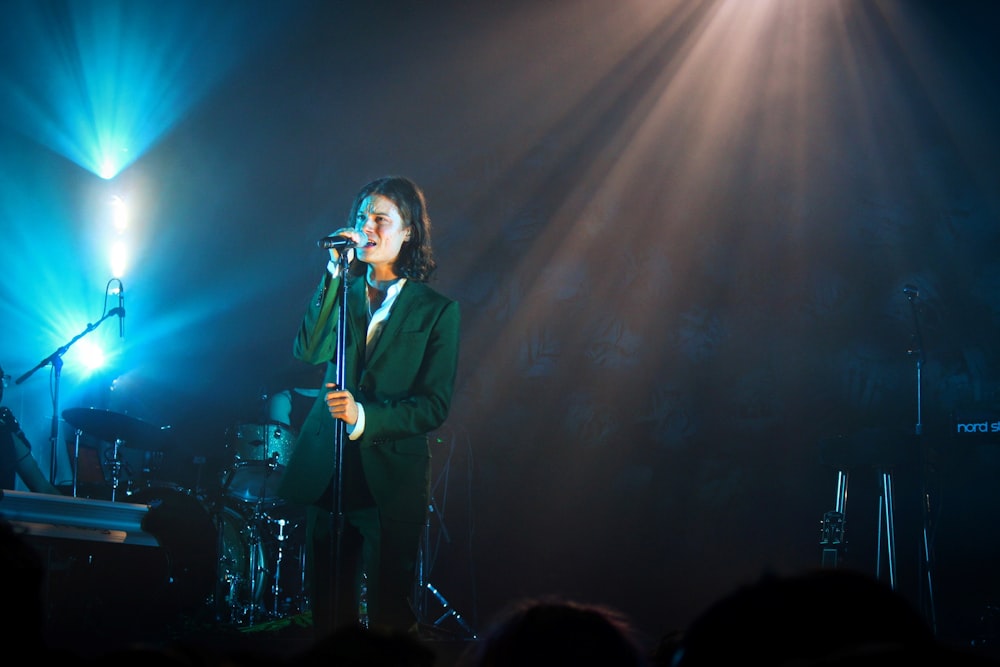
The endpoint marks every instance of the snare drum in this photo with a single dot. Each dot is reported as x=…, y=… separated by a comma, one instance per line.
x=261, y=454
x=254, y=481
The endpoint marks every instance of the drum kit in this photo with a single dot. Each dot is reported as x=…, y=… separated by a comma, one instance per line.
x=257, y=557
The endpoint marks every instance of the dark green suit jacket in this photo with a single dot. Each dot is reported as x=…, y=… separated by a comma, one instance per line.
x=405, y=385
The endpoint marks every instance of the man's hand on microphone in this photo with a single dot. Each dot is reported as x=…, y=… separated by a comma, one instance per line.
x=353, y=234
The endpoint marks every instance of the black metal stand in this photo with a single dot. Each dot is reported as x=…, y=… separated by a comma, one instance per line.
x=55, y=359
x=927, y=584
x=423, y=588
x=337, y=512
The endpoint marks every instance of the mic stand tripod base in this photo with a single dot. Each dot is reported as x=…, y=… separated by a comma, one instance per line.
x=448, y=612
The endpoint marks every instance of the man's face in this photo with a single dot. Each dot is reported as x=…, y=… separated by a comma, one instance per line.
x=380, y=220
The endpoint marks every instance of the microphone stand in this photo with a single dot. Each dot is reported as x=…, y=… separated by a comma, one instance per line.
x=337, y=514
x=425, y=564
x=917, y=352
x=57, y=363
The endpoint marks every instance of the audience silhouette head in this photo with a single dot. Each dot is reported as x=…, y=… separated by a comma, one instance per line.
x=358, y=646
x=547, y=631
x=826, y=616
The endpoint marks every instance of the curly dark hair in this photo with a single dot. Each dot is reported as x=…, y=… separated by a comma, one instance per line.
x=416, y=257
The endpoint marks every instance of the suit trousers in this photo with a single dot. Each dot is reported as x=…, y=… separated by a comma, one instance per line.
x=367, y=550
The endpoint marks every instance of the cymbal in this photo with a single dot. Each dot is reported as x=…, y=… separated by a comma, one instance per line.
x=110, y=426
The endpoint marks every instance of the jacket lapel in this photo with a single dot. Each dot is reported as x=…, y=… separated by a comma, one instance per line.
x=357, y=314
x=400, y=309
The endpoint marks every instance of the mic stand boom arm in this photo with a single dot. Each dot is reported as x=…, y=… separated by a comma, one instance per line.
x=56, y=360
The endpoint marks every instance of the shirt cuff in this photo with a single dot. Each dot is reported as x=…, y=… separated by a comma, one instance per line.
x=356, y=431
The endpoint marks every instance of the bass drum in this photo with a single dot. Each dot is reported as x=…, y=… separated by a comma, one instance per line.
x=184, y=528
x=215, y=563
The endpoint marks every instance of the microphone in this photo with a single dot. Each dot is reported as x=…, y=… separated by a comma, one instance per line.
x=121, y=310
x=341, y=243
x=911, y=292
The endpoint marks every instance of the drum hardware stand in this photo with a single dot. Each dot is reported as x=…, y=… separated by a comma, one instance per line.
x=253, y=543
x=257, y=552
x=225, y=587
x=116, y=467
x=276, y=589
x=76, y=460
x=227, y=580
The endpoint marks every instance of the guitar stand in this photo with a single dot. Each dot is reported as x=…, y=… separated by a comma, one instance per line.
x=869, y=448
x=832, y=535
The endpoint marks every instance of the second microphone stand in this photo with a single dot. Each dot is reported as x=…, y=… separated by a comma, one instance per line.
x=55, y=359
x=917, y=352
